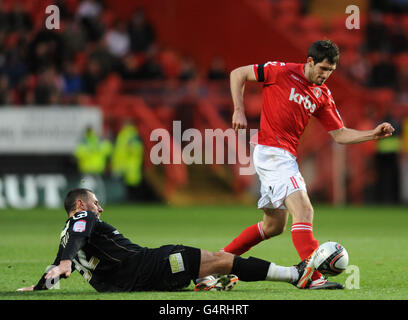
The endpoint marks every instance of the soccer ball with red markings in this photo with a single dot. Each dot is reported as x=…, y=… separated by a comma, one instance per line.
x=331, y=258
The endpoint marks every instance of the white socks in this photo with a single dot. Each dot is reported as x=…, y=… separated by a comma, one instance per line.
x=279, y=273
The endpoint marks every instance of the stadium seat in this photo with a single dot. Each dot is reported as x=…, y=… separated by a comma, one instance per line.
x=337, y=23
x=165, y=114
x=287, y=7
x=311, y=23
x=110, y=86
x=170, y=62
x=401, y=60
x=108, y=18
x=382, y=99
x=346, y=39
x=404, y=21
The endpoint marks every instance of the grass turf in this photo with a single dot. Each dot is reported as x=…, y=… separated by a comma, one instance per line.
x=375, y=237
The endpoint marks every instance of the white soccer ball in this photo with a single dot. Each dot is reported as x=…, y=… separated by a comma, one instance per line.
x=331, y=258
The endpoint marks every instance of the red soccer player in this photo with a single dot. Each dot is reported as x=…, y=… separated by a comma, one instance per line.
x=291, y=94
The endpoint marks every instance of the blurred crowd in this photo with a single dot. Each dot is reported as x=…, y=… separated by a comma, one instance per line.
x=41, y=66
x=381, y=60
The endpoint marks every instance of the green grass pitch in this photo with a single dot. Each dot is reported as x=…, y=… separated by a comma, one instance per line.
x=375, y=237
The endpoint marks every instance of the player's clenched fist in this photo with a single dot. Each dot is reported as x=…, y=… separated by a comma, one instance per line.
x=383, y=130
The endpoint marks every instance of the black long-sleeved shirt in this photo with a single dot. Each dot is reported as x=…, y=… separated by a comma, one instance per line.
x=103, y=256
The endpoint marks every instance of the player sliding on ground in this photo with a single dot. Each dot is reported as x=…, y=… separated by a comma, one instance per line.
x=292, y=93
x=112, y=263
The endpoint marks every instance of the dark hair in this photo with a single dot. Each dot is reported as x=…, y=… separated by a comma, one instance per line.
x=73, y=195
x=323, y=49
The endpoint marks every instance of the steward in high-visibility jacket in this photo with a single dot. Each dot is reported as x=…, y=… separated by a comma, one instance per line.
x=92, y=153
x=127, y=158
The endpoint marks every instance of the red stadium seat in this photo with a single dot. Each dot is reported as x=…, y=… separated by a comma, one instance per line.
x=382, y=99
x=337, y=23
x=110, y=86
x=288, y=7
x=170, y=62
x=401, y=60
x=311, y=24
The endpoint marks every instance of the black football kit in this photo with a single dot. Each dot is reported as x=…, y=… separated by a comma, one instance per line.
x=112, y=263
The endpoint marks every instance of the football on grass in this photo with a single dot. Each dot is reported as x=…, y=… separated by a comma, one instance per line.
x=331, y=258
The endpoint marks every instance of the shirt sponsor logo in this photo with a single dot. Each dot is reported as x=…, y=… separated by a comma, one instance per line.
x=79, y=226
x=302, y=100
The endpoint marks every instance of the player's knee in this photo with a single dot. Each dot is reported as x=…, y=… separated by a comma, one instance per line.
x=223, y=261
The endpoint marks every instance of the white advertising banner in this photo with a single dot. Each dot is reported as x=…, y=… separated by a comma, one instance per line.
x=45, y=130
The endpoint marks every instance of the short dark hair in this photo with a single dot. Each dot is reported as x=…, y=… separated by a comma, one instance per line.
x=324, y=49
x=73, y=195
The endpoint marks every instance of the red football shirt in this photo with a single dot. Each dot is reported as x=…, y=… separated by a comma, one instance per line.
x=288, y=101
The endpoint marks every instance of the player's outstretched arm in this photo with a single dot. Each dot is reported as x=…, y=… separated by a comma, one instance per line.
x=50, y=278
x=52, y=275
x=30, y=288
x=352, y=136
x=238, y=77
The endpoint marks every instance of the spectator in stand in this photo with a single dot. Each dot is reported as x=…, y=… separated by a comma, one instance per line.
x=360, y=70
x=73, y=38
x=49, y=87
x=45, y=50
x=18, y=19
x=383, y=73
x=88, y=13
x=387, y=164
x=118, y=40
x=141, y=33
x=89, y=9
x=150, y=67
x=188, y=69
x=5, y=94
x=108, y=62
x=398, y=39
x=403, y=84
x=217, y=70
x=130, y=67
x=14, y=67
x=398, y=6
x=92, y=76
x=73, y=84
x=376, y=33
x=3, y=18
